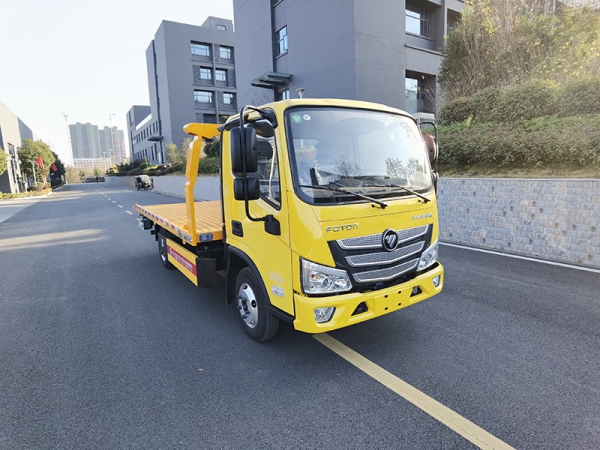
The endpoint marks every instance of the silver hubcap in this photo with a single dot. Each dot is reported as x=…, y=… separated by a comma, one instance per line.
x=247, y=305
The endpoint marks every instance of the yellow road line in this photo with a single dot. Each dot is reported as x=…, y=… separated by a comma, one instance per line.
x=435, y=409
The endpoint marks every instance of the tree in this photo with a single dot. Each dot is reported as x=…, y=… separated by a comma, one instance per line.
x=97, y=172
x=60, y=168
x=177, y=155
x=503, y=43
x=2, y=161
x=29, y=152
x=72, y=175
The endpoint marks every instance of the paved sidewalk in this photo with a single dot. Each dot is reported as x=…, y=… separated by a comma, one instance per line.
x=10, y=207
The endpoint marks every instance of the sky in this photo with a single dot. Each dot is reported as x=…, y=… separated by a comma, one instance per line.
x=86, y=59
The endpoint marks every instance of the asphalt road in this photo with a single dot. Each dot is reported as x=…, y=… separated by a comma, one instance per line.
x=102, y=348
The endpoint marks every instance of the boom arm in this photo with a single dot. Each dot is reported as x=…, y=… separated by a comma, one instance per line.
x=200, y=131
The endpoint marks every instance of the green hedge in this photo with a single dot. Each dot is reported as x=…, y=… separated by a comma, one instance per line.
x=525, y=102
x=208, y=166
x=578, y=97
x=456, y=111
x=525, y=143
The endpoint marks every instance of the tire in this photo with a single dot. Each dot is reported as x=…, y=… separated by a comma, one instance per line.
x=162, y=252
x=257, y=321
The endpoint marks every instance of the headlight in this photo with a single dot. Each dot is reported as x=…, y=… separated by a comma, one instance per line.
x=429, y=256
x=318, y=279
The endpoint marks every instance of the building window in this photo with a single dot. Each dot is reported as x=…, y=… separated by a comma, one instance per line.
x=225, y=52
x=200, y=49
x=283, y=95
x=221, y=28
x=220, y=75
x=203, y=96
x=418, y=21
x=420, y=92
x=228, y=98
x=282, y=41
x=205, y=73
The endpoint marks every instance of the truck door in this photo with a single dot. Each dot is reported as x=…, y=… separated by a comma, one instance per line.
x=268, y=246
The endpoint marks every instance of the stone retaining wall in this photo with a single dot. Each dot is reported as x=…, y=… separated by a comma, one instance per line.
x=552, y=219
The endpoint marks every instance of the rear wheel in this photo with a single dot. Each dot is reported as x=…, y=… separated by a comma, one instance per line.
x=162, y=251
x=257, y=321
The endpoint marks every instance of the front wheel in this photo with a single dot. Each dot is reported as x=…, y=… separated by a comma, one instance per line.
x=257, y=321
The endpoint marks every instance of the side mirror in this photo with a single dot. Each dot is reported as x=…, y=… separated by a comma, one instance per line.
x=432, y=149
x=253, y=188
x=237, y=152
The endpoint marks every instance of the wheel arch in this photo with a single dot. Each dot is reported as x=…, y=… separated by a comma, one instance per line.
x=236, y=261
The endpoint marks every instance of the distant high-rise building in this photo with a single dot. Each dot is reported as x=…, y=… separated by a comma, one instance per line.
x=191, y=78
x=96, y=145
x=112, y=140
x=85, y=140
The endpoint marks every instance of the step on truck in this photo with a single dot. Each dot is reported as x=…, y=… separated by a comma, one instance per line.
x=328, y=215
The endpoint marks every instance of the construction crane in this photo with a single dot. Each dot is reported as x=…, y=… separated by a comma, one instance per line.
x=66, y=116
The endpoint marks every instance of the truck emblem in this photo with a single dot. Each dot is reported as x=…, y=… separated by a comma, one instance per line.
x=389, y=239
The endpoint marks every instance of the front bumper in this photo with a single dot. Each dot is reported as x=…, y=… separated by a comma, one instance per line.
x=379, y=302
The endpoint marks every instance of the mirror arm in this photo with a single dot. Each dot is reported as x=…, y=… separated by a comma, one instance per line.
x=435, y=127
x=272, y=225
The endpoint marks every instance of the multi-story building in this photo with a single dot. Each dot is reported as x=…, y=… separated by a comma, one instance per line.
x=191, y=78
x=112, y=144
x=96, y=148
x=12, y=133
x=85, y=140
x=384, y=51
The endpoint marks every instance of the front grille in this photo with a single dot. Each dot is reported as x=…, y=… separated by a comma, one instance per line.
x=373, y=259
x=374, y=276
x=374, y=240
x=371, y=266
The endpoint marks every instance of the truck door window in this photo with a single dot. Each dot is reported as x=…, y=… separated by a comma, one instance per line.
x=268, y=170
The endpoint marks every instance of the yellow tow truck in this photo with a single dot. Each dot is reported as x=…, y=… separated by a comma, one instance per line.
x=328, y=215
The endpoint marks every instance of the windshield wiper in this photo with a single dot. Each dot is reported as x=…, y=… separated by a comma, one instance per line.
x=327, y=188
x=410, y=191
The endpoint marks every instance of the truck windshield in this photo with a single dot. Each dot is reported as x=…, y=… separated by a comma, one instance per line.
x=375, y=154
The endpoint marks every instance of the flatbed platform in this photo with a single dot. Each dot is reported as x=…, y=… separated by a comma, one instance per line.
x=173, y=217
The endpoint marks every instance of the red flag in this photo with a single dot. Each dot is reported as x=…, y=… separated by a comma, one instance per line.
x=53, y=167
x=40, y=163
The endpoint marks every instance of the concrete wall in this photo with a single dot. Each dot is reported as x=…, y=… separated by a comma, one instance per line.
x=552, y=219
x=207, y=188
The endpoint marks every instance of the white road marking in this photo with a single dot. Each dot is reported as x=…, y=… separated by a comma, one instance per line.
x=526, y=258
